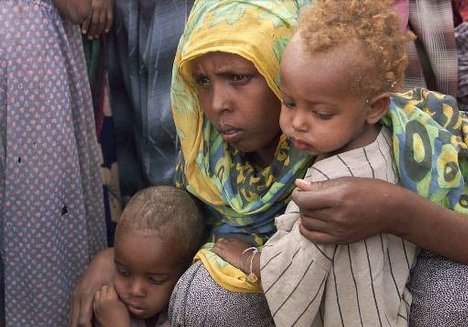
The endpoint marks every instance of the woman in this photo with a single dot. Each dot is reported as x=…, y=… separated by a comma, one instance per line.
x=242, y=174
x=51, y=220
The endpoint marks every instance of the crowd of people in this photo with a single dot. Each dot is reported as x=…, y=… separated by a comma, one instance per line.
x=278, y=162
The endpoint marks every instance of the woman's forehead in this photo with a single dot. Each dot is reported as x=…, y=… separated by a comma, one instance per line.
x=221, y=61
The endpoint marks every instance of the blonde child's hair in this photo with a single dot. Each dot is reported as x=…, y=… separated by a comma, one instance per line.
x=382, y=44
x=169, y=211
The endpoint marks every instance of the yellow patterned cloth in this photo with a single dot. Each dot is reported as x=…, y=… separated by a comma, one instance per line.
x=243, y=199
x=430, y=137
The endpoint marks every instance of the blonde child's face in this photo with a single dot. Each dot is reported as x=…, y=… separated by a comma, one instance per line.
x=147, y=269
x=319, y=112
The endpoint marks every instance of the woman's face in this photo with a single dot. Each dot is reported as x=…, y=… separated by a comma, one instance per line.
x=238, y=102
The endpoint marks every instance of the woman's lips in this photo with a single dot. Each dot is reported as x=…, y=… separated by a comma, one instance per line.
x=230, y=133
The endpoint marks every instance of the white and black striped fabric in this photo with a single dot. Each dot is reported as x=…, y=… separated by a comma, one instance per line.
x=360, y=284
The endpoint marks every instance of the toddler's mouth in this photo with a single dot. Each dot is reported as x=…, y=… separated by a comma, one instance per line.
x=300, y=145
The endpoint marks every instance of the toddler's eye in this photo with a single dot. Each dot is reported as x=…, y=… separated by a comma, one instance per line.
x=323, y=116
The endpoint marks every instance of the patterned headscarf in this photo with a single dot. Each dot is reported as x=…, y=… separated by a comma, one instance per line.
x=430, y=137
x=245, y=199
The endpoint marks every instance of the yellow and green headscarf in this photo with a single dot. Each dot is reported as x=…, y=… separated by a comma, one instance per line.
x=430, y=137
x=243, y=199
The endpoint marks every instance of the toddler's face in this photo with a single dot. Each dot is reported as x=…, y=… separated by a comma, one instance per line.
x=147, y=269
x=319, y=112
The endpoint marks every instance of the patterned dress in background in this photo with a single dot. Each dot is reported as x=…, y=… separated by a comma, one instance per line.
x=52, y=219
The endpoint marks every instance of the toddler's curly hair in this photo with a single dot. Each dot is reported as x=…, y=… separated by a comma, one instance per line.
x=331, y=23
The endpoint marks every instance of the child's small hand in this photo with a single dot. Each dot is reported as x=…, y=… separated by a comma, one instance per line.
x=231, y=249
x=100, y=20
x=108, y=309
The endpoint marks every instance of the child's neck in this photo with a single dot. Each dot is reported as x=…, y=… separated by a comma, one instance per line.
x=366, y=137
x=151, y=322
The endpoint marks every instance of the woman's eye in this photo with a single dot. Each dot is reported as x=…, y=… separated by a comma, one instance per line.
x=202, y=81
x=239, y=78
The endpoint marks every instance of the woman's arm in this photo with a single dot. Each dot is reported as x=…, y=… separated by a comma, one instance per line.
x=75, y=11
x=99, y=273
x=349, y=209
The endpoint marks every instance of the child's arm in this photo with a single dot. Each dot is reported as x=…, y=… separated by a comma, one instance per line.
x=109, y=310
x=233, y=250
x=100, y=20
x=75, y=11
x=99, y=272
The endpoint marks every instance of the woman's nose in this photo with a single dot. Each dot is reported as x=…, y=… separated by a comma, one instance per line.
x=221, y=100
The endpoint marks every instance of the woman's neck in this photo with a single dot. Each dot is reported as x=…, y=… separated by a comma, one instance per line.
x=264, y=157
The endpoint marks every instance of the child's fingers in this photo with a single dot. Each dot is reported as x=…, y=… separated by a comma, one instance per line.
x=111, y=292
x=303, y=185
x=97, y=300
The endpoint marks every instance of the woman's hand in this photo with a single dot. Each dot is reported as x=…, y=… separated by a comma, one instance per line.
x=344, y=210
x=76, y=11
x=349, y=209
x=100, y=20
x=108, y=308
x=100, y=272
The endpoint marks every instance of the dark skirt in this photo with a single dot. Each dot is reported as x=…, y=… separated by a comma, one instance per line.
x=440, y=292
x=197, y=300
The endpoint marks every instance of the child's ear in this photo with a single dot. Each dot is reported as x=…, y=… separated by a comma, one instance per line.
x=377, y=108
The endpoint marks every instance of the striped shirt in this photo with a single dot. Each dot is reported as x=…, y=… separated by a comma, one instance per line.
x=359, y=284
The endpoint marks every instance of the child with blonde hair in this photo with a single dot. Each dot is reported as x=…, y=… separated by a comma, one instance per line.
x=337, y=73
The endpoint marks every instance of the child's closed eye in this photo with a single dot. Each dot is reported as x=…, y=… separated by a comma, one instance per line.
x=158, y=280
x=122, y=271
x=289, y=105
x=323, y=115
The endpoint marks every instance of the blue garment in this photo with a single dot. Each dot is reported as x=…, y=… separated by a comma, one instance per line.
x=142, y=49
